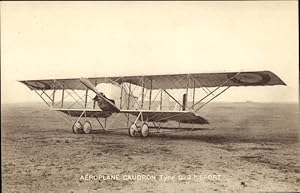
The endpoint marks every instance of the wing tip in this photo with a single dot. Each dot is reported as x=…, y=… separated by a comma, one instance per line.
x=280, y=81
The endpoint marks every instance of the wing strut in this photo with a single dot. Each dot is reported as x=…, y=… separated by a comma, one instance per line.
x=212, y=98
x=212, y=93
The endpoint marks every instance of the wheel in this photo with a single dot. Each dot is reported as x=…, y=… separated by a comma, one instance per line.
x=133, y=130
x=87, y=127
x=145, y=130
x=77, y=127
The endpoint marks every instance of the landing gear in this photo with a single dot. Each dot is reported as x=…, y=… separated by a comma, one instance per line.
x=87, y=127
x=77, y=127
x=133, y=130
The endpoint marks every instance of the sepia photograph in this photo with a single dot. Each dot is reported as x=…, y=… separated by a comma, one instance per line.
x=149, y=96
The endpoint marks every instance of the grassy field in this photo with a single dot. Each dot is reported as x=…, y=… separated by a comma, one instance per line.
x=253, y=146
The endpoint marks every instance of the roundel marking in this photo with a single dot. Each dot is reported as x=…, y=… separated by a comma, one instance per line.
x=39, y=85
x=254, y=78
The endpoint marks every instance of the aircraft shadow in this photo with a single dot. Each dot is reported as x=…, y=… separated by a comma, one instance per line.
x=208, y=138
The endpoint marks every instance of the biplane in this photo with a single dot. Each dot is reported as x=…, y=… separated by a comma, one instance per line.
x=145, y=98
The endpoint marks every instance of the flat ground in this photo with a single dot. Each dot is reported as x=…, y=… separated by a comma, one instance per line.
x=253, y=147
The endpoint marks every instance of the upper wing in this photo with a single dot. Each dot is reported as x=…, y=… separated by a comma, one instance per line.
x=148, y=115
x=258, y=78
x=174, y=81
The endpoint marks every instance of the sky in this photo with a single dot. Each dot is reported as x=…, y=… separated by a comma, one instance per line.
x=42, y=40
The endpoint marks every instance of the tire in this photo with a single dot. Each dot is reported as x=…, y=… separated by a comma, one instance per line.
x=145, y=130
x=87, y=127
x=77, y=127
x=132, y=130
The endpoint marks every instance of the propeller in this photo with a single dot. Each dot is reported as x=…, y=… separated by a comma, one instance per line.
x=90, y=86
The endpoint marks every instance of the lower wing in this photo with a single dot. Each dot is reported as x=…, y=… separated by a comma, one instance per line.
x=146, y=115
